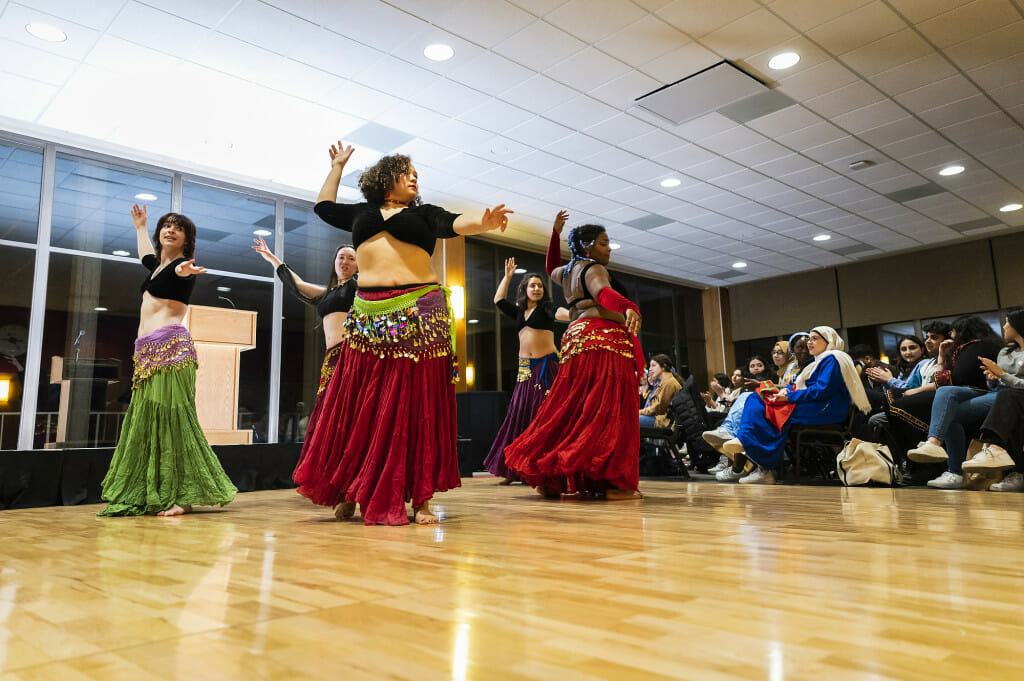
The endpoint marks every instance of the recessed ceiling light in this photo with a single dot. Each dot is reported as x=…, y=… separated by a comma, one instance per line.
x=520, y=270
x=145, y=196
x=262, y=232
x=783, y=60
x=438, y=52
x=224, y=289
x=473, y=321
x=100, y=309
x=120, y=252
x=671, y=182
x=739, y=265
x=861, y=164
x=50, y=34
x=822, y=237
x=951, y=170
x=615, y=247
x=1010, y=207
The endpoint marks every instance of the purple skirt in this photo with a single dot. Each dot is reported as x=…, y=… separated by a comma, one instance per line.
x=534, y=380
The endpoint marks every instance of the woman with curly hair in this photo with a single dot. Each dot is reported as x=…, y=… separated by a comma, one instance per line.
x=538, y=359
x=393, y=404
x=163, y=464
x=586, y=436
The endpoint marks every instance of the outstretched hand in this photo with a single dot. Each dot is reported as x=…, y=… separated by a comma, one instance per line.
x=188, y=268
x=340, y=154
x=496, y=218
x=632, y=321
x=510, y=267
x=560, y=220
x=264, y=250
x=139, y=217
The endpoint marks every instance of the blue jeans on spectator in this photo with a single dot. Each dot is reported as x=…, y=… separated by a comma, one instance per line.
x=646, y=421
x=732, y=419
x=954, y=408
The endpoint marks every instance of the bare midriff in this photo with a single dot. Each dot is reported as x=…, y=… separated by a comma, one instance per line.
x=159, y=312
x=534, y=343
x=386, y=261
x=595, y=311
x=334, y=328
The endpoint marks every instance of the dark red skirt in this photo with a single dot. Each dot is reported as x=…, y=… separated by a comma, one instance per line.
x=585, y=436
x=327, y=369
x=392, y=411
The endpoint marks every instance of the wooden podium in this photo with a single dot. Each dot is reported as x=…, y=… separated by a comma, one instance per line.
x=221, y=335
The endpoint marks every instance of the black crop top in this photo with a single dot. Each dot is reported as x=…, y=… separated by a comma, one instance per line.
x=338, y=299
x=542, y=318
x=617, y=286
x=417, y=225
x=167, y=284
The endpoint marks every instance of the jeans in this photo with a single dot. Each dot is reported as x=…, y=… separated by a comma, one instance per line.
x=646, y=421
x=732, y=420
x=954, y=408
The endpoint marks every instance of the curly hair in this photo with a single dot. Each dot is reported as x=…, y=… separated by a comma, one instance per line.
x=187, y=226
x=376, y=181
x=972, y=327
x=581, y=238
x=521, y=291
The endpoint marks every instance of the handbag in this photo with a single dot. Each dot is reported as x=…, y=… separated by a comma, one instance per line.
x=862, y=462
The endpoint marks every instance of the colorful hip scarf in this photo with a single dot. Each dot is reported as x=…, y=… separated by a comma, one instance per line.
x=328, y=366
x=597, y=333
x=415, y=325
x=169, y=347
x=528, y=364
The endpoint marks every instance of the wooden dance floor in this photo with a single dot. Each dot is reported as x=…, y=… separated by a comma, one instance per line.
x=697, y=581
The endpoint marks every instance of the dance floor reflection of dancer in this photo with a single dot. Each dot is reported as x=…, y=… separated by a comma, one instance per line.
x=535, y=317
x=585, y=437
x=393, y=401
x=163, y=464
x=332, y=303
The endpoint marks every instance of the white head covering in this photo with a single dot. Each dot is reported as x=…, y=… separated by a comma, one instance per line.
x=836, y=348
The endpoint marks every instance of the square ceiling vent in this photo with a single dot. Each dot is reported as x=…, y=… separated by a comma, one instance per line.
x=709, y=90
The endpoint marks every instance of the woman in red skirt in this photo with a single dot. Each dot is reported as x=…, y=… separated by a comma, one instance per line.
x=392, y=401
x=585, y=437
x=332, y=303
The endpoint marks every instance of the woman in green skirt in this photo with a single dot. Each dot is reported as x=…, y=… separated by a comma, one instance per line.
x=163, y=464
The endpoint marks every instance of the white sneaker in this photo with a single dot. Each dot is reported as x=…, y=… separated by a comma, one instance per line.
x=722, y=464
x=926, y=452
x=732, y=448
x=947, y=481
x=716, y=438
x=1013, y=482
x=728, y=475
x=990, y=458
x=759, y=477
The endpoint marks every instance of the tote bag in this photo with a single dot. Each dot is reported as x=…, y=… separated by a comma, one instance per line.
x=862, y=462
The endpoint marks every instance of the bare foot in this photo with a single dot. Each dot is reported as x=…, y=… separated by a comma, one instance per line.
x=423, y=516
x=175, y=510
x=345, y=510
x=506, y=481
x=621, y=494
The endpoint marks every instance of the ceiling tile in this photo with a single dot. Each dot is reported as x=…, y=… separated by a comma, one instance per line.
x=619, y=128
x=96, y=14
x=860, y=27
x=843, y=100
x=915, y=74
x=968, y=21
x=80, y=39
x=249, y=20
x=993, y=46
x=643, y=41
x=921, y=10
x=539, y=46
x=892, y=50
x=818, y=81
x=750, y=34
x=496, y=115
x=491, y=73
x=622, y=92
x=580, y=112
x=23, y=99
x=538, y=132
x=805, y=15
x=592, y=20
x=34, y=64
x=587, y=69
x=681, y=62
x=449, y=98
x=334, y=53
x=697, y=18
x=538, y=94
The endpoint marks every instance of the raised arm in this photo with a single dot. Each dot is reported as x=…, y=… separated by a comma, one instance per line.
x=600, y=286
x=493, y=218
x=554, y=257
x=339, y=157
x=141, y=220
x=502, y=292
x=292, y=281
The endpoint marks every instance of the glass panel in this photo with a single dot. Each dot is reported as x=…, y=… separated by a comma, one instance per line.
x=226, y=222
x=21, y=170
x=483, y=320
x=310, y=244
x=17, y=264
x=92, y=202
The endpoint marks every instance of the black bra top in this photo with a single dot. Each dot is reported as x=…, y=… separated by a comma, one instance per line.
x=338, y=299
x=167, y=284
x=417, y=225
x=542, y=318
x=617, y=286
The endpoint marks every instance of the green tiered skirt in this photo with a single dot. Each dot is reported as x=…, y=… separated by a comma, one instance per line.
x=162, y=457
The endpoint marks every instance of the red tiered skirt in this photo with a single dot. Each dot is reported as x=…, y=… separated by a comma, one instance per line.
x=386, y=431
x=586, y=436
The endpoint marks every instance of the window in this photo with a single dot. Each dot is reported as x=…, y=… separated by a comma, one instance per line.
x=226, y=224
x=21, y=170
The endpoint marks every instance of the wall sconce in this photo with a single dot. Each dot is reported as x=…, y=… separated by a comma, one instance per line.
x=5, y=388
x=470, y=375
x=459, y=302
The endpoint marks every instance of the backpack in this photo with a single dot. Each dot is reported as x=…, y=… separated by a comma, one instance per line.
x=862, y=462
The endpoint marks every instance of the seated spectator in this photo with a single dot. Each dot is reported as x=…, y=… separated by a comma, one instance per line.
x=912, y=351
x=719, y=396
x=958, y=363
x=664, y=384
x=957, y=408
x=785, y=364
x=801, y=355
x=864, y=358
x=822, y=394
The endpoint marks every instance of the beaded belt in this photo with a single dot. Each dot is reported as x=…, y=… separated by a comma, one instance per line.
x=169, y=347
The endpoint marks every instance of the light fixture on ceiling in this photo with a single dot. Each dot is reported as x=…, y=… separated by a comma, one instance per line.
x=783, y=60
x=472, y=321
x=861, y=164
x=739, y=265
x=438, y=52
x=47, y=32
x=262, y=232
x=615, y=247
x=520, y=270
x=1010, y=207
x=100, y=309
x=224, y=289
x=121, y=252
x=145, y=196
x=823, y=237
x=671, y=182
x=951, y=170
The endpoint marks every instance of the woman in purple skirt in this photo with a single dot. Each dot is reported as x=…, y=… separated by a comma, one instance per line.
x=535, y=317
